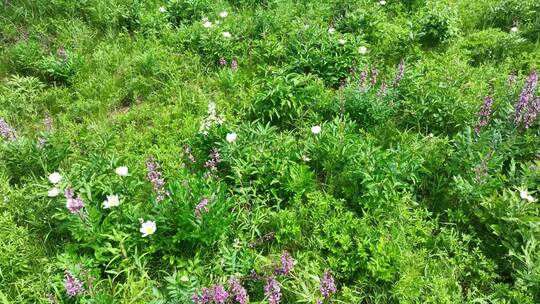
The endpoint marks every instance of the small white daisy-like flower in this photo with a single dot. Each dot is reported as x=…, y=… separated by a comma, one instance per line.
x=316, y=130
x=122, y=171
x=382, y=2
x=223, y=14
x=342, y=41
x=53, y=192
x=55, y=177
x=227, y=35
x=162, y=9
x=112, y=201
x=231, y=137
x=305, y=158
x=331, y=30
x=362, y=50
x=207, y=24
x=514, y=29
x=148, y=228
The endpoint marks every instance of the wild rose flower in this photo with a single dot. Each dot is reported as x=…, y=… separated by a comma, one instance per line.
x=382, y=2
x=6, y=131
x=484, y=114
x=328, y=286
x=72, y=285
x=201, y=206
x=122, y=171
x=148, y=228
x=526, y=196
x=238, y=291
x=226, y=34
x=527, y=107
x=362, y=50
x=207, y=24
x=155, y=177
x=55, y=178
x=514, y=29
x=400, y=73
x=272, y=291
x=53, y=192
x=316, y=129
x=112, y=201
x=73, y=204
x=219, y=294
x=162, y=9
x=231, y=137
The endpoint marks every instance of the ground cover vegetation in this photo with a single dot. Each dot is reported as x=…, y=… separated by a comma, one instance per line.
x=269, y=151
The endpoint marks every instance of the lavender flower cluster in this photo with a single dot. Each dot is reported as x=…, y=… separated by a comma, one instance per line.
x=219, y=295
x=328, y=286
x=212, y=163
x=272, y=291
x=484, y=114
x=155, y=177
x=72, y=285
x=187, y=152
x=201, y=206
x=6, y=131
x=74, y=204
x=287, y=264
x=527, y=107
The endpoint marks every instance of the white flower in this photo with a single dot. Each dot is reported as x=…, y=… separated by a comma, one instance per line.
x=231, y=137
x=305, y=158
x=223, y=14
x=53, y=192
x=162, y=9
x=342, y=41
x=514, y=29
x=217, y=22
x=362, y=50
x=122, y=171
x=526, y=196
x=316, y=130
x=207, y=24
x=148, y=228
x=55, y=177
x=331, y=30
x=204, y=19
x=227, y=35
x=112, y=201
x=382, y=2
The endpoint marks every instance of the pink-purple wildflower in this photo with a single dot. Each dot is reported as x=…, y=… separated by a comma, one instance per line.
x=327, y=287
x=6, y=131
x=201, y=206
x=222, y=62
x=187, y=151
x=238, y=291
x=234, y=65
x=219, y=294
x=73, y=204
x=374, y=75
x=484, y=114
x=72, y=285
x=204, y=298
x=527, y=107
x=287, y=264
x=400, y=73
x=155, y=177
x=272, y=291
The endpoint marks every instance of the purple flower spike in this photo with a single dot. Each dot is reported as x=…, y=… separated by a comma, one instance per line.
x=328, y=286
x=220, y=294
x=201, y=206
x=155, y=177
x=484, y=114
x=204, y=298
x=73, y=204
x=238, y=291
x=527, y=107
x=287, y=264
x=72, y=285
x=6, y=131
x=400, y=73
x=272, y=291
